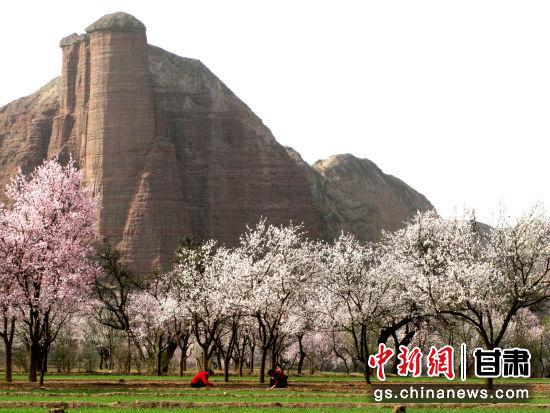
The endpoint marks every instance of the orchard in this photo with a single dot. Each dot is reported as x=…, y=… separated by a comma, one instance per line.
x=70, y=303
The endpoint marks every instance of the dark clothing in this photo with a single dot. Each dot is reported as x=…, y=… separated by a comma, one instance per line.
x=200, y=380
x=278, y=380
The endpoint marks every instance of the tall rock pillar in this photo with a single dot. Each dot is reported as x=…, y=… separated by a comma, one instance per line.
x=120, y=121
x=69, y=126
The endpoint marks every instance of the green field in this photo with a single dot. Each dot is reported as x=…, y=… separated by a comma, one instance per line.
x=282, y=409
x=319, y=393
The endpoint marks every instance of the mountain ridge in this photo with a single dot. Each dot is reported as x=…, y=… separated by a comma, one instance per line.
x=170, y=150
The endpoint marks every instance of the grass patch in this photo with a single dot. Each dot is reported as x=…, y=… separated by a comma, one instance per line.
x=284, y=410
x=321, y=393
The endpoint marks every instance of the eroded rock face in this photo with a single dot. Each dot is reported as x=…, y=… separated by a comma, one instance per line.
x=25, y=131
x=170, y=151
x=354, y=195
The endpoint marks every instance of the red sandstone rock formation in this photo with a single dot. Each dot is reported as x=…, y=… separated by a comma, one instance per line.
x=354, y=195
x=170, y=150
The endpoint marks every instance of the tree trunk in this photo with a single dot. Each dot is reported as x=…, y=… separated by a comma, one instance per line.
x=341, y=357
x=490, y=382
x=9, y=360
x=241, y=365
x=365, y=353
x=33, y=363
x=226, y=369
x=338, y=354
x=159, y=357
x=252, y=351
x=541, y=357
x=205, y=359
x=183, y=344
x=183, y=363
x=345, y=365
x=274, y=354
x=302, y=355
x=367, y=373
x=397, y=353
x=7, y=335
x=167, y=355
x=262, y=364
x=43, y=365
x=129, y=356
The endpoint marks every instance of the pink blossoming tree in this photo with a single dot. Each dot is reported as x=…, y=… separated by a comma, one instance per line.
x=45, y=243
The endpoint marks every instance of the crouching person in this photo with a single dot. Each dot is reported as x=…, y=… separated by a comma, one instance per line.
x=201, y=379
x=277, y=379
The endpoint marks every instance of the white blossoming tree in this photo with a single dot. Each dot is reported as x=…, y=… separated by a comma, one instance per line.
x=206, y=282
x=483, y=280
x=357, y=292
x=281, y=263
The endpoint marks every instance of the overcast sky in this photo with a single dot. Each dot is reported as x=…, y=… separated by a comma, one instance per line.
x=453, y=97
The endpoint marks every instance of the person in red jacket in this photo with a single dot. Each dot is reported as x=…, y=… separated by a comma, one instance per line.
x=278, y=380
x=201, y=379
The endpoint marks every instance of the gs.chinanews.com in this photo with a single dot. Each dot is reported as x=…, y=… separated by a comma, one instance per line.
x=452, y=394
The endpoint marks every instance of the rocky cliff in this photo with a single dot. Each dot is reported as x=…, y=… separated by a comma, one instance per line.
x=169, y=150
x=354, y=195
